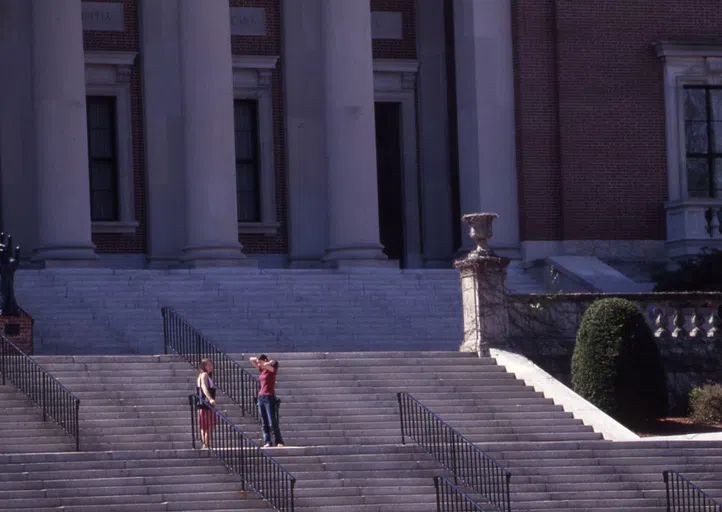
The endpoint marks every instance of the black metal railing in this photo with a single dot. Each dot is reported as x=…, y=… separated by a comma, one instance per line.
x=450, y=498
x=55, y=400
x=188, y=342
x=245, y=458
x=684, y=496
x=460, y=456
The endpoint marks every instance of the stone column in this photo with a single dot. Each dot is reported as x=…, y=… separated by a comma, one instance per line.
x=208, y=148
x=350, y=134
x=485, y=113
x=483, y=276
x=61, y=138
x=305, y=140
x=163, y=131
x=434, y=134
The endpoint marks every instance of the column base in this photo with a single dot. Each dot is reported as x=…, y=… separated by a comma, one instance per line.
x=60, y=256
x=358, y=256
x=439, y=263
x=308, y=263
x=215, y=256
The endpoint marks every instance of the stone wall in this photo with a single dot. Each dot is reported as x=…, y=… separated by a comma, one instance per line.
x=543, y=328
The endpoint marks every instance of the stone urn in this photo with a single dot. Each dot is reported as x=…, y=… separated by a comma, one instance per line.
x=480, y=225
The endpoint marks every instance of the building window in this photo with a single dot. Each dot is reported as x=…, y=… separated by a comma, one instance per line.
x=703, y=140
x=245, y=114
x=102, y=158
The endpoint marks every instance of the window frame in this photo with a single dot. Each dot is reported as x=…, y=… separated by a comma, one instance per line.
x=111, y=101
x=252, y=81
x=108, y=73
x=685, y=65
x=709, y=155
x=256, y=161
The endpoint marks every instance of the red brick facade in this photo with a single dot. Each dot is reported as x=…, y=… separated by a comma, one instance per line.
x=397, y=48
x=590, y=113
x=19, y=330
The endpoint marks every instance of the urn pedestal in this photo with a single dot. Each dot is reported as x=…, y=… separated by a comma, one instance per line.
x=483, y=276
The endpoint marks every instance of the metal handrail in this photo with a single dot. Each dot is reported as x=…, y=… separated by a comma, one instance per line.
x=463, y=458
x=450, y=498
x=55, y=400
x=684, y=496
x=188, y=342
x=244, y=457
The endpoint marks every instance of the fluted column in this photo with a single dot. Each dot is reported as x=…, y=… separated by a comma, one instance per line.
x=350, y=134
x=208, y=149
x=61, y=138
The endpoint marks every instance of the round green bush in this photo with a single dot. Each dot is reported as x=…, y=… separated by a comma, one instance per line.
x=705, y=404
x=616, y=363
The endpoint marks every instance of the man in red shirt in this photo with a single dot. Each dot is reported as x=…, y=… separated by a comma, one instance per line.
x=267, y=401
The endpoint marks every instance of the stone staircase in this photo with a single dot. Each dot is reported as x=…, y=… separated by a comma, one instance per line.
x=106, y=311
x=340, y=421
x=22, y=429
x=120, y=481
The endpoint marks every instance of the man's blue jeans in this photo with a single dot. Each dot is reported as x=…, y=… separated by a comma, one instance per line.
x=268, y=410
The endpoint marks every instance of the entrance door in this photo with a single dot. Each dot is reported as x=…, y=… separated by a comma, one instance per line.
x=390, y=179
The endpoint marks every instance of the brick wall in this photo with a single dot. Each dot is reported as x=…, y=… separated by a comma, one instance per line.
x=589, y=85
x=129, y=40
x=397, y=48
x=536, y=119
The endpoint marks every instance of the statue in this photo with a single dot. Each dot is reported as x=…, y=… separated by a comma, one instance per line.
x=9, y=262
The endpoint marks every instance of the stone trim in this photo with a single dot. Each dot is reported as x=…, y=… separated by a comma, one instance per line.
x=108, y=74
x=629, y=250
x=252, y=80
x=684, y=64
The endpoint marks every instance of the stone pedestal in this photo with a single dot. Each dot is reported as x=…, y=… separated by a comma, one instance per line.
x=483, y=274
x=19, y=330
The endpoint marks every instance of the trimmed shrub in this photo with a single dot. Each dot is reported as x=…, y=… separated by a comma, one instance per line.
x=616, y=363
x=705, y=404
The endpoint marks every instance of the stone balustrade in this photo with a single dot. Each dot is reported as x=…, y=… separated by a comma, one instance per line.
x=677, y=314
x=693, y=224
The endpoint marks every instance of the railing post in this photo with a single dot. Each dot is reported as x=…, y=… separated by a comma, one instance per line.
x=243, y=395
x=199, y=355
x=4, y=351
x=454, y=462
x=44, y=402
x=164, y=312
x=77, y=425
x=191, y=402
x=293, y=486
x=401, y=417
x=508, y=491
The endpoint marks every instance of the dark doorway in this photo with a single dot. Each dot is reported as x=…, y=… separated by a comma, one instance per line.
x=390, y=179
